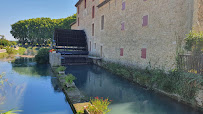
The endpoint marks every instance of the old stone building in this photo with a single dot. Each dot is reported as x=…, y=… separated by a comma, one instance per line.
x=138, y=32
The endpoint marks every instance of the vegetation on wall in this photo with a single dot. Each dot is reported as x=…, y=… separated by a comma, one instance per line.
x=194, y=42
x=39, y=30
x=42, y=56
x=174, y=82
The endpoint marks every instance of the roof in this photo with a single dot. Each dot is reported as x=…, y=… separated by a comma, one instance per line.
x=72, y=23
x=103, y=3
x=76, y=5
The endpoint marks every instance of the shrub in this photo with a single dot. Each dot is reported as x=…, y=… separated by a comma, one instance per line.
x=99, y=105
x=1, y=46
x=42, y=56
x=21, y=50
x=10, y=50
x=69, y=78
x=61, y=68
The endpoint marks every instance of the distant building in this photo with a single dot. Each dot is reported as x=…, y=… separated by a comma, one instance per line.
x=138, y=32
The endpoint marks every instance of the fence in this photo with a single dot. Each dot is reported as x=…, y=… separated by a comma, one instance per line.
x=191, y=63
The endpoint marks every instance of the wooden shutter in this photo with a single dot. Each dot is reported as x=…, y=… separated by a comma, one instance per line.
x=123, y=6
x=121, y=52
x=144, y=53
x=145, y=20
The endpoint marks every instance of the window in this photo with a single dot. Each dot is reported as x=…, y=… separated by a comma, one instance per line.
x=78, y=9
x=95, y=45
x=145, y=20
x=90, y=46
x=85, y=3
x=93, y=29
x=93, y=12
x=123, y=26
x=121, y=52
x=102, y=22
x=144, y=53
x=123, y=6
x=78, y=21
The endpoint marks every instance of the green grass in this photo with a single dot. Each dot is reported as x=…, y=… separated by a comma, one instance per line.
x=3, y=55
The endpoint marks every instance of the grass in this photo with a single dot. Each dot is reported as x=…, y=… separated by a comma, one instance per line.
x=3, y=55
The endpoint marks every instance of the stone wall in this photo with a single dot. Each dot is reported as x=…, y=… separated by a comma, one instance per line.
x=74, y=26
x=198, y=15
x=55, y=59
x=169, y=21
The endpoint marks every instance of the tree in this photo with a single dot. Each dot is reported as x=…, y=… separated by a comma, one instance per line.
x=39, y=30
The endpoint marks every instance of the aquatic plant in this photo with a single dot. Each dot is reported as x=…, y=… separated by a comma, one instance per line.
x=99, y=105
x=61, y=68
x=69, y=78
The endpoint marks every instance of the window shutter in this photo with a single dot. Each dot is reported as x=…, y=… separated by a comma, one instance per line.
x=144, y=53
x=145, y=20
x=123, y=26
x=123, y=6
x=121, y=52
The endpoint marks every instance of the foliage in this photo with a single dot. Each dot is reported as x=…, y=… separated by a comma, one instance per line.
x=42, y=56
x=39, y=30
x=11, y=112
x=3, y=55
x=10, y=50
x=99, y=105
x=175, y=81
x=61, y=68
x=69, y=78
x=1, y=46
x=4, y=42
x=21, y=50
x=194, y=41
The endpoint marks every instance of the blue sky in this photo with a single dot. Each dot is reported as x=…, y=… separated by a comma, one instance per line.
x=12, y=11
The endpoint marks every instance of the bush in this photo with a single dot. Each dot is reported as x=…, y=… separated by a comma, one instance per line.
x=10, y=50
x=21, y=50
x=42, y=56
x=1, y=46
x=69, y=78
x=99, y=106
x=61, y=68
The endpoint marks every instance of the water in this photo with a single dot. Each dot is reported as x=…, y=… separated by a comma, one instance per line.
x=33, y=89
x=127, y=98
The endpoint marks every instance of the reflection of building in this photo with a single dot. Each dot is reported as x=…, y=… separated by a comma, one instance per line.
x=136, y=32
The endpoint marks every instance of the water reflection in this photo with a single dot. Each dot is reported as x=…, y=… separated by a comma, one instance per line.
x=33, y=89
x=127, y=98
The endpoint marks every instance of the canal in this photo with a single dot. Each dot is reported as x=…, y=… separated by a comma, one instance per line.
x=127, y=98
x=31, y=88
x=34, y=90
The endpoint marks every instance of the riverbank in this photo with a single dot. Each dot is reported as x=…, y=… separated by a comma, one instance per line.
x=75, y=98
x=184, y=87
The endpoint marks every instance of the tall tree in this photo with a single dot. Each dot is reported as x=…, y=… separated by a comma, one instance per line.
x=39, y=30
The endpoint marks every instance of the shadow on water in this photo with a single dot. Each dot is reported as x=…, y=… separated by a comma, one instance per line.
x=127, y=98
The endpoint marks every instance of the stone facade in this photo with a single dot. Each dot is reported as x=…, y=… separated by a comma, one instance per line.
x=168, y=21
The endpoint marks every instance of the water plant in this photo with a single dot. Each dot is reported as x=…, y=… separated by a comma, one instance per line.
x=61, y=68
x=98, y=105
x=69, y=78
